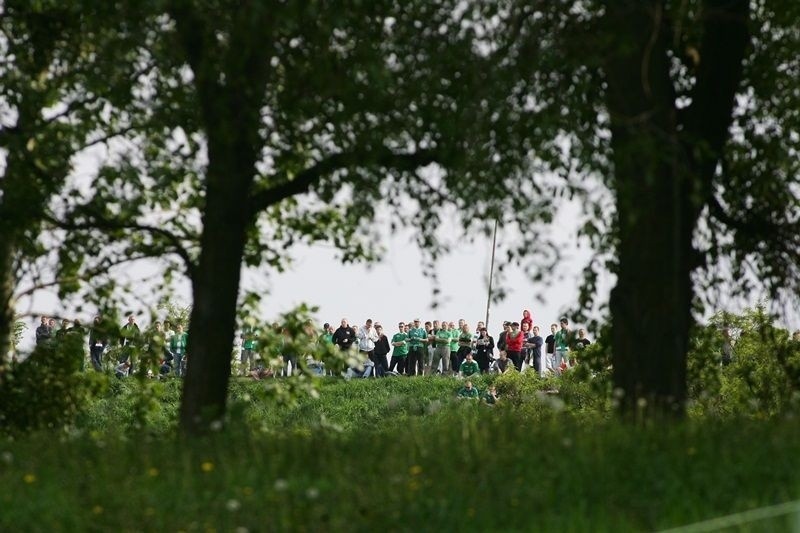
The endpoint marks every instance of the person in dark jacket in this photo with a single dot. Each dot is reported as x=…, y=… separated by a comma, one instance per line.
x=98, y=340
x=484, y=350
x=382, y=349
x=344, y=336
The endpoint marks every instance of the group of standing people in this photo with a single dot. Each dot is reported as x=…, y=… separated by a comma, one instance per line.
x=159, y=346
x=444, y=347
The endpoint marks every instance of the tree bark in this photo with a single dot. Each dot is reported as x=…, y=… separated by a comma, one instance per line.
x=215, y=290
x=663, y=170
x=7, y=283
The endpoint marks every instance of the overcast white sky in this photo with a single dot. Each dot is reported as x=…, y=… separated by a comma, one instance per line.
x=393, y=289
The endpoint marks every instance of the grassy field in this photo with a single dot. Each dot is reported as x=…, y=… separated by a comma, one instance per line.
x=395, y=454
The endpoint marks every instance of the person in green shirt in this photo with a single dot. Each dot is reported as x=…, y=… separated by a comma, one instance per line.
x=249, y=344
x=441, y=349
x=562, y=340
x=327, y=335
x=177, y=348
x=468, y=391
x=400, y=351
x=464, y=344
x=468, y=367
x=454, y=333
x=416, y=349
x=490, y=396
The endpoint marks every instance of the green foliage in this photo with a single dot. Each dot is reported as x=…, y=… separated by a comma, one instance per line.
x=48, y=389
x=175, y=314
x=762, y=380
x=19, y=331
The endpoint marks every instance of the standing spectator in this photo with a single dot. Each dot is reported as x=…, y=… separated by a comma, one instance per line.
x=550, y=344
x=249, y=345
x=464, y=345
x=534, y=344
x=344, y=336
x=177, y=348
x=43, y=332
x=562, y=343
x=514, y=341
x=501, y=339
x=400, y=352
x=382, y=349
x=168, y=331
x=367, y=335
x=454, y=334
x=428, y=351
x=441, y=350
x=78, y=332
x=417, y=337
x=327, y=334
x=65, y=326
x=430, y=345
x=155, y=353
x=526, y=334
x=469, y=366
x=98, y=340
x=484, y=349
x=129, y=333
x=526, y=319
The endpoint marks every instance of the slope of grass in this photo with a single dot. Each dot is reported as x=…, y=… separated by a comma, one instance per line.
x=399, y=455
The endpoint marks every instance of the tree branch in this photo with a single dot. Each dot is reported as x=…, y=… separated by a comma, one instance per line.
x=301, y=183
x=722, y=52
x=102, y=268
x=100, y=222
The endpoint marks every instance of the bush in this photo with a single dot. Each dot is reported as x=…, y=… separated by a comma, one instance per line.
x=48, y=389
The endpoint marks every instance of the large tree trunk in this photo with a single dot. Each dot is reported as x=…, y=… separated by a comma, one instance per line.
x=663, y=174
x=650, y=306
x=215, y=291
x=7, y=283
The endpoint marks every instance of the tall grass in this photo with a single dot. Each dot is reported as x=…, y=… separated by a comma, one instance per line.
x=394, y=454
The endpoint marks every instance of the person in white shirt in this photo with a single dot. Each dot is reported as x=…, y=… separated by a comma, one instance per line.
x=367, y=337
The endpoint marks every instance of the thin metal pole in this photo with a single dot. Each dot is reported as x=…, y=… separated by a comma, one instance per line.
x=491, y=273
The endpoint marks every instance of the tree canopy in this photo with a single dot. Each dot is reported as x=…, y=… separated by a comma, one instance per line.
x=253, y=126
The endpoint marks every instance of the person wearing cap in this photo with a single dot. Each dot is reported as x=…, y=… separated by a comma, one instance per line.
x=416, y=349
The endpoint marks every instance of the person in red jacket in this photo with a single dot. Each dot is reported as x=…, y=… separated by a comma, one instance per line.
x=526, y=319
x=514, y=342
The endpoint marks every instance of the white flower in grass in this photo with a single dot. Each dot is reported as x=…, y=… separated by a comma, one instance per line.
x=281, y=485
x=232, y=505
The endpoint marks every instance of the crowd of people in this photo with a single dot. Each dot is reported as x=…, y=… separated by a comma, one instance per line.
x=444, y=347
x=162, y=345
x=415, y=349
